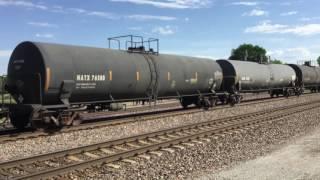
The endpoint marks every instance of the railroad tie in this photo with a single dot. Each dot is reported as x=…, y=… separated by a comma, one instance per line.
x=106, y=151
x=178, y=147
x=215, y=137
x=91, y=155
x=129, y=161
x=203, y=128
x=164, y=138
x=115, y=166
x=133, y=145
x=237, y=131
x=169, y=150
x=144, y=156
x=144, y=142
x=172, y=136
x=157, y=153
x=188, y=144
x=205, y=139
x=182, y=134
x=154, y=140
x=74, y=158
x=119, y=148
x=198, y=142
x=188, y=132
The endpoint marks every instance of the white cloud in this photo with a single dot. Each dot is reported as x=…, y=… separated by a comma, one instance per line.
x=173, y=4
x=25, y=4
x=309, y=18
x=100, y=14
x=290, y=13
x=206, y=57
x=103, y=15
x=292, y=55
x=143, y=17
x=267, y=27
x=45, y=35
x=256, y=12
x=57, y=9
x=43, y=24
x=135, y=28
x=304, y=30
x=5, y=53
x=292, y=2
x=77, y=10
x=286, y=3
x=166, y=30
x=245, y=3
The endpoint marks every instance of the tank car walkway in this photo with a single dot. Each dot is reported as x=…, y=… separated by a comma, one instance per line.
x=300, y=159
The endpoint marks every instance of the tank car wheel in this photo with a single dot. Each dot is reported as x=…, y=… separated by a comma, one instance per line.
x=238, y=98
x=206, y=104
x=213, y=102
x=184, y=103
x=19, y=121
x=272, y=95
x=232, y=100
x=223, y=99
x=287, y=93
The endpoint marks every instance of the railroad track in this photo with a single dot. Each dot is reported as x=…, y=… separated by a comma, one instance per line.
x=106, y=120
x=59, y=163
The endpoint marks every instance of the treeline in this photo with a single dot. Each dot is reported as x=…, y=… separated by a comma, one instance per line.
x=2, y=81
x=254, y=53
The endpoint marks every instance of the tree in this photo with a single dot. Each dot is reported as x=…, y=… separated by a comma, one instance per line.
x=318, y=60
x=276, y=62
x=2, y=81
x=249, y=52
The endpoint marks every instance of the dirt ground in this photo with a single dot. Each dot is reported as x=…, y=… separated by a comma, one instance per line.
x=299, y=159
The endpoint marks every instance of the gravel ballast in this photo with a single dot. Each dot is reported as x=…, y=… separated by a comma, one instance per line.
x=35, y=146
x=217, y=155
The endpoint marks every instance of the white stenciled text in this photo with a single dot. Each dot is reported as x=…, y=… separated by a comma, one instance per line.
x=90, y=77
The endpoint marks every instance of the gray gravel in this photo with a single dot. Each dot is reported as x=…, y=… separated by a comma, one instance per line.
x=29, y=147
x=217, y=155
x=299, y=159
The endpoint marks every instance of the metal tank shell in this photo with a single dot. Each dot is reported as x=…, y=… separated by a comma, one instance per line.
x=43, y=73
x=281, y=76
x=244, y=75
x=187, y=75
x=306, y=76
x=317, y=69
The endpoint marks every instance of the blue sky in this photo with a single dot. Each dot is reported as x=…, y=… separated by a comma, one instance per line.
x=289, y=30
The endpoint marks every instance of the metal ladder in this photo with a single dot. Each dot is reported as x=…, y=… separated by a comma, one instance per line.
x=152, y=90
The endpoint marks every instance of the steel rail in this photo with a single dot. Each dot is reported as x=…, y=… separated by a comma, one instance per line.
x=203, y=129
x=14, y=135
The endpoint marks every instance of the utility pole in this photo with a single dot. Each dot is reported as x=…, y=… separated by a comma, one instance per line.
x=246, y=55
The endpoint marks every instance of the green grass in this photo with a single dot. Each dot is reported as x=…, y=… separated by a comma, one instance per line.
x=3, y=120
x=6, y=99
